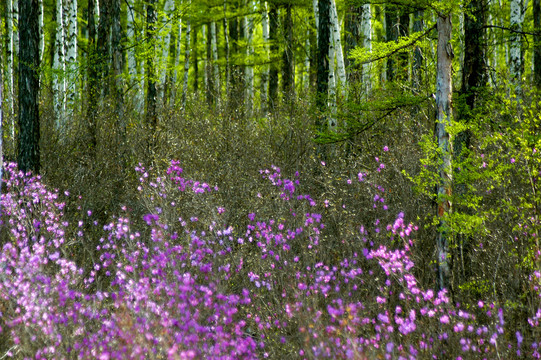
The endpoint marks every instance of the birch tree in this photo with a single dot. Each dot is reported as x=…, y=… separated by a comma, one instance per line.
x=443, y=121
x=151, y=115
x=59, y=61
x=337, y=45
x=11, y=35
x=265, y=72
x=366, y=30
x=515, y=64
x=70, y=34
x=215, y=66
x=288, y=71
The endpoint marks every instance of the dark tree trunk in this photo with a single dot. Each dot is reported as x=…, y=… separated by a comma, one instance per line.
x=396, y=25
x=273, y=72
x=118, y=65
x=474, y=70
x=151, y=115
x=103, y=45
x=323, y=59
x=288, y=70
x=352, y=37
x=537, y=43
x=29, y=86
x=417, y=52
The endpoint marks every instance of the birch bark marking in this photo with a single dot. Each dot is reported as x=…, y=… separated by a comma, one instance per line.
x=515, y=66
x=216, y=69
x=366, y=29
x=59, y=79
x=336, y=36
x=443, y=106
x=265, y=72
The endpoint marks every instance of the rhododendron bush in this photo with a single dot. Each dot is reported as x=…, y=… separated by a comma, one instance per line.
x=181, y=283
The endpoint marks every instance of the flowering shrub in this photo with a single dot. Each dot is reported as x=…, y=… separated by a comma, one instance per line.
x=177, y=285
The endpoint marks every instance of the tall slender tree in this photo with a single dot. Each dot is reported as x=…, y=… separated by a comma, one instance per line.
x=288, y=70
x=151, y=114
x=322, y=59
x=515, y=56
x=443, y=121
x=537, y=43
x=273, y=40
x=29, y=129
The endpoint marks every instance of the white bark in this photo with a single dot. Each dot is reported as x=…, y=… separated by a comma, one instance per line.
x=215, y=68
x=204, y=37
x=70, y=31
x=59, y=79
x=444, y=113
x=249, y=70
x=366, y=29
x=41, y=32
x=168, y=8
x=186, y=65
x=515, y=44
x=265, y=72
x=10, y=61
x=335, y=38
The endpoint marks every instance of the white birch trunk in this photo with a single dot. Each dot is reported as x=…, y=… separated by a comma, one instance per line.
x=215, y=67
x=41, y=32
x=249, y=70
x=176, y=64
x=335, y=33
x=186, y=65
x=515, y=45
x=10, y=62
x=444, y=113
x=168, y=8
x=59, y=78
x=204, y=39
x=366, y=29
x=70, y=31
x=265, y=72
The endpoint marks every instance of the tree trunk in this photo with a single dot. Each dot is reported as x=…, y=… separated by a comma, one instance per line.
x=103, y=46
x=417, y=74
x=265, y=71
x=209, y=88
x=249, y=70
x=59, y=79
x=29, y=86
x=323, y=60
x=353, y=32
x=337, y=44
x=195, y=64
x=537, y=43
x=273, y=72
x=11, y=35
x=151, y=115
x=71, y=65
x=288, y=70
x=444, y=113
x=515, y=63
x=366, y=29
x=118, y=66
